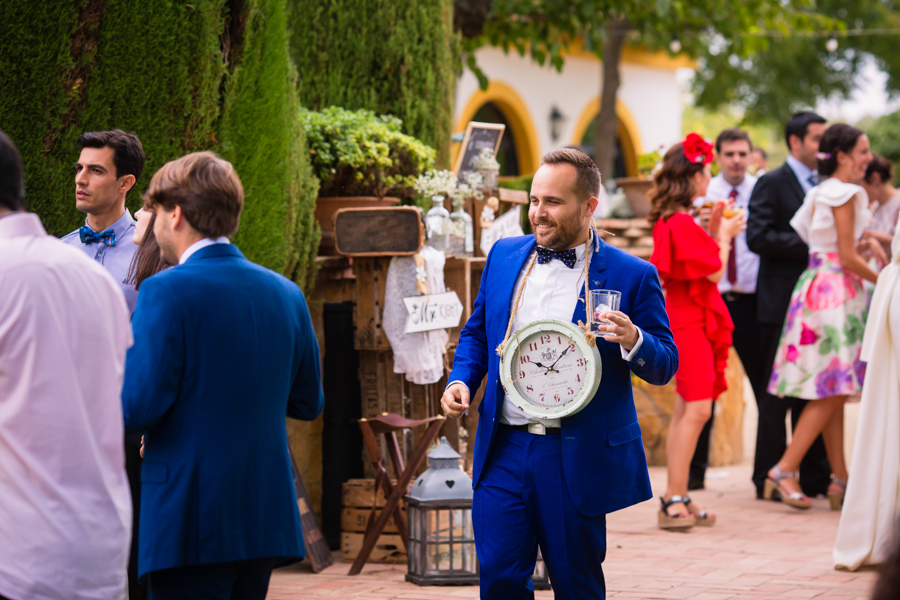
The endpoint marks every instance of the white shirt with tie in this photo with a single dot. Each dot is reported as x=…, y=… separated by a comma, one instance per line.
x=551, y=292
x=747, y=262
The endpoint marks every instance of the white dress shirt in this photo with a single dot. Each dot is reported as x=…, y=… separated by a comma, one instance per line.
x=802, y=172
x=551, y=292
x=65, y=504
x=747, y=261
x=199, y=245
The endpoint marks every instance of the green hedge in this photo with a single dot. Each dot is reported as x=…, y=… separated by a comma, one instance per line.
x=157, y=69
x=395, y=57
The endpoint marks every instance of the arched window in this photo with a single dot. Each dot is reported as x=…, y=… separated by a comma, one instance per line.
x=506, y=154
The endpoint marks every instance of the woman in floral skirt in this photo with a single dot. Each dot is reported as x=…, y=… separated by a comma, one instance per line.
x=818, y=357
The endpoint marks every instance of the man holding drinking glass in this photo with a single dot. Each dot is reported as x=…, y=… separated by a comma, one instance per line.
x=550, y=483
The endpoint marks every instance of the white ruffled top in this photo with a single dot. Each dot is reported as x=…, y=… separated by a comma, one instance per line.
x=814, y=222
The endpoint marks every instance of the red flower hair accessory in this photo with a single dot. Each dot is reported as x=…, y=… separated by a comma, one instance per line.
x=697, y=149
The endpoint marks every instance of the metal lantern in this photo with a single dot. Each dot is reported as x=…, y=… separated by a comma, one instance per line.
x=441, y=538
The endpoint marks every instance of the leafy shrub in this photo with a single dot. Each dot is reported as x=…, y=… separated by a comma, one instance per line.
x=394, y=58
x=884, y=137
x=357, y=153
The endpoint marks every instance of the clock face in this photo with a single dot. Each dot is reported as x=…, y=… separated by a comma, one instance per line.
x=552, y=369
x=548, y=369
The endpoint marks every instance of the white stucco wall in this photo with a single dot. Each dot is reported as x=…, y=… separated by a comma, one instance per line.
x=651, y=94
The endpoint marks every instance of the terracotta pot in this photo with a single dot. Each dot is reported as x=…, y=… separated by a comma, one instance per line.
x=327, y=206
x=636, y=189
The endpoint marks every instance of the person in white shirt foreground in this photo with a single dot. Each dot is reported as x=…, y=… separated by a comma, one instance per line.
x=65, y=508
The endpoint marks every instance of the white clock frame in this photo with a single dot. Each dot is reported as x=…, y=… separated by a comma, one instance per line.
x=591, y=356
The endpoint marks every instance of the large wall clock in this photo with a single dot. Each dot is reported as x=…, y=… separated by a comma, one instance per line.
x=549, y=370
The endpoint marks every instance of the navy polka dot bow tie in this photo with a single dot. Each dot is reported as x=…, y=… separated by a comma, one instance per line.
x=89, y=236
x=566, y=257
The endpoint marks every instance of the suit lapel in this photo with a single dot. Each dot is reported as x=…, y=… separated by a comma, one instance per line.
x=796, y=186
x=507, y=285
x=596, y=280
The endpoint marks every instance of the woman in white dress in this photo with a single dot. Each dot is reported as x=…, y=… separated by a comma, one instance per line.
x=818, y=356
x=866, y=532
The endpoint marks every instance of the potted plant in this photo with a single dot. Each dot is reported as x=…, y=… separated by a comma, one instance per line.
x=486, y=165
x=362, y=160
x=636, y=188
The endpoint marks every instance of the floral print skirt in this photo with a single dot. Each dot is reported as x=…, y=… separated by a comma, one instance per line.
x=818, y=355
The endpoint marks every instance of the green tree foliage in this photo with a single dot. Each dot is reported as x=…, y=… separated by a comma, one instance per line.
x=393, y=57
x=884, y=137
x=793, y=71
x=545, y=30
x=158, y=69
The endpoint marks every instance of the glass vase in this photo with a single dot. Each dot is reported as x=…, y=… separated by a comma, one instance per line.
x=462, y=241
x=437, y=224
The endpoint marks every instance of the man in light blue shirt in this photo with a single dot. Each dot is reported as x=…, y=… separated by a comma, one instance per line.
x=110, y=164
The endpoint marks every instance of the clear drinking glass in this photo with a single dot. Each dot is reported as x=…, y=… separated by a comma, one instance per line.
x=603, y=301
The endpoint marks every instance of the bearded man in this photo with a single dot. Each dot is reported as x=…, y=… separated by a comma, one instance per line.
x=551, y=482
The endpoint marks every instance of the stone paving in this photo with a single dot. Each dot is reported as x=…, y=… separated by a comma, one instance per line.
x=757, y=550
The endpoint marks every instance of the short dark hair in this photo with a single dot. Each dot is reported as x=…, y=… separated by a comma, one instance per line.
x=587, y=184
x=12, y=186
x=762, y=152
x=882, y=166
x=840, y=137
x=799, y=124
x=732, y=135
x=205, y=187
x=128, y=153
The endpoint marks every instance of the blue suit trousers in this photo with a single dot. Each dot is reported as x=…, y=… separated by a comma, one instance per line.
x=522, y=500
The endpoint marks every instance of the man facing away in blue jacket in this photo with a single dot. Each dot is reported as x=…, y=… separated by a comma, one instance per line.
x=224, y=350
x=552, y=482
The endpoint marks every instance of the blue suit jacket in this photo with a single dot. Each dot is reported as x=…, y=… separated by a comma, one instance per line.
x=603, y=456
x=223, y=350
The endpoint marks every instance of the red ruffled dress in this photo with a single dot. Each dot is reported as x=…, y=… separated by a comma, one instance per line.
x=684, y=254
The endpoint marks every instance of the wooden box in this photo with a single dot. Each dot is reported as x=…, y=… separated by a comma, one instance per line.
x=388, y=550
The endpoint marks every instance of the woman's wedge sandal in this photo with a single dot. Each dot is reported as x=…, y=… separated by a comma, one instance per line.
x=702, y=517
x=836, y=498
x=795, y=499
x=681, y=521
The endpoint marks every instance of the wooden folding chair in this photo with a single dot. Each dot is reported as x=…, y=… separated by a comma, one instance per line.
x=387, y=425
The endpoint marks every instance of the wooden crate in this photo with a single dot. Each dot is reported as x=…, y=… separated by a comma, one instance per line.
x=358, y=493
x=353, y=520
x=388, y=550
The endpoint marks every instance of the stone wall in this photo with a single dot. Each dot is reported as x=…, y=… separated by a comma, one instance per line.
x=655, y=404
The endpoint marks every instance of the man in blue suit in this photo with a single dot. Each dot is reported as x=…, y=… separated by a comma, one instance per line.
x=552, y=482
x=224, y=349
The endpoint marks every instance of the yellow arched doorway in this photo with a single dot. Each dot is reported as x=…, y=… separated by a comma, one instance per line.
x=520, y=126
x=627, y=132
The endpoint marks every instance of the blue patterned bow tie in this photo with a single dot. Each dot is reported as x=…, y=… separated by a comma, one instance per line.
x=566, y=257
x=89, y=236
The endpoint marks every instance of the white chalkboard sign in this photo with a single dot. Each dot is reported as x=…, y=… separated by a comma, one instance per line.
x=478, y=136
x=437, y=311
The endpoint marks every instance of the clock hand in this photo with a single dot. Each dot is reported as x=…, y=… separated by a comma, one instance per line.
x=560, y=356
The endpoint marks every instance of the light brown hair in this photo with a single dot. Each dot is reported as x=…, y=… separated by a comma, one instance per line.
x=673, y=185
x=587, y=183
x=147, y=260
x=205, y=187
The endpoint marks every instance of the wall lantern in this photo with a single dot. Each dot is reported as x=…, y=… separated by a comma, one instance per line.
x=441, y=537
x=557, y=120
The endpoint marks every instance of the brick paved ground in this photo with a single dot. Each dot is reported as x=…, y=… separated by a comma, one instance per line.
x=757, y=550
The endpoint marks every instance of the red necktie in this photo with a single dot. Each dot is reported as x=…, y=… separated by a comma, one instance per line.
x=732, y=255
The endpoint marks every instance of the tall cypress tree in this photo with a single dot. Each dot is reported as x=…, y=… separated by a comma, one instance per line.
x=394, y=57
x=172, y=73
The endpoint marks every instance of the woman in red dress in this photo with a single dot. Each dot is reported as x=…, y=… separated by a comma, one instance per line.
x=690, y=263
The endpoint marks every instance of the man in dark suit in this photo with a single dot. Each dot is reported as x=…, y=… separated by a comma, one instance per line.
x=223, y=350
x=783, y=257
x=551, y=482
